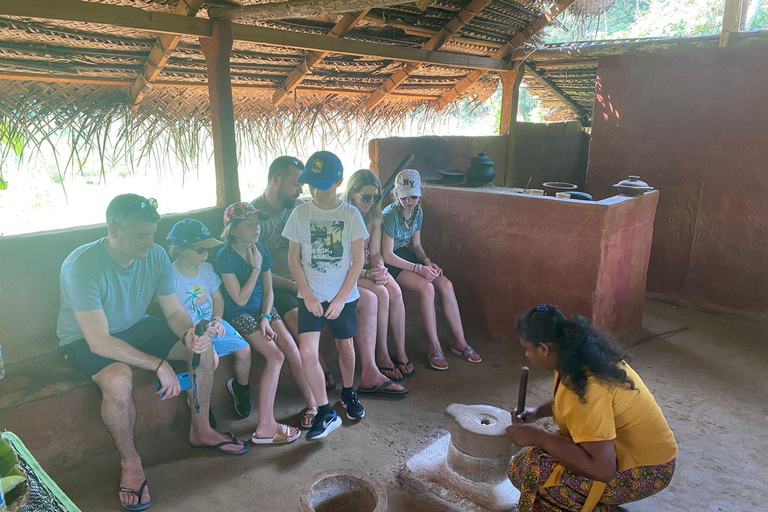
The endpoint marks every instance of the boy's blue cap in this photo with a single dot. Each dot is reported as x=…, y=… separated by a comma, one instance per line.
x=191, y=231
x=322, y=170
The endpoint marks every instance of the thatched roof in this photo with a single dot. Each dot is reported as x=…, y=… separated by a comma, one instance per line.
x=68, y=74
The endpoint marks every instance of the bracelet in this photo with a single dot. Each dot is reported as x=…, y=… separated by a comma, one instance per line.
x=161, y=364
x=267, y=316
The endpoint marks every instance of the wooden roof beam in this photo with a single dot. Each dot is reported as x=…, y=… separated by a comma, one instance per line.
x=464, y=16
x=340, y=29
x=160, y=53
x=295, y=9
x=514, y=43
x=560, y=94
x=734, y=19
x=164, y=23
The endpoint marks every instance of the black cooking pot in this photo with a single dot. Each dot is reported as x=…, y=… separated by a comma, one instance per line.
x=480, y=169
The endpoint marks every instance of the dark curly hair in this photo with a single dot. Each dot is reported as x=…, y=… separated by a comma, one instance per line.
x=580, y=348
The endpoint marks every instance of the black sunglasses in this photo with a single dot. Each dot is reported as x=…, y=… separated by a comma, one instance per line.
x=368, y=198
x=138, y=205
x=201, y=250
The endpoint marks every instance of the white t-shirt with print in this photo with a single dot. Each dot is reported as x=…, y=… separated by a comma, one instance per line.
x=326, y=238
x=195, y=293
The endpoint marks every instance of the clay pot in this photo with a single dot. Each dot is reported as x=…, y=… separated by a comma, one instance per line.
x=480, y=169
x=632, y=186
x=553, y=187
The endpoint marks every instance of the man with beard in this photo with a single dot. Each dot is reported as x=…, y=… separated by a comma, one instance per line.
x=279, y=200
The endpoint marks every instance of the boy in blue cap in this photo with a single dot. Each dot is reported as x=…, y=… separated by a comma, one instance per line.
x=198, y=288
x=325, y=256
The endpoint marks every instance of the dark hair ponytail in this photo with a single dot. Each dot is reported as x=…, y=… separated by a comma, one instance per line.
x=580, y=348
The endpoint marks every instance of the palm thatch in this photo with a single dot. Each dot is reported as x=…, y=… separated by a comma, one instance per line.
x=90, y=105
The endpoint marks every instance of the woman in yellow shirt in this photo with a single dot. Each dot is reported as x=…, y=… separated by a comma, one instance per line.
x=614, y=445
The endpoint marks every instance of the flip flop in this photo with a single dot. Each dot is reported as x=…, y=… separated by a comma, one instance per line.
x=467, y=354
x=232, y=440
x=282, y=436
x=329, y=378
x=381, y=390
x=406, y=375
x=383, y=369
x=139, y=505
x=437, y=356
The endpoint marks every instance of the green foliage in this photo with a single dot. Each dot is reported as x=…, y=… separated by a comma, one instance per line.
x=11, y=138
x=11, y=477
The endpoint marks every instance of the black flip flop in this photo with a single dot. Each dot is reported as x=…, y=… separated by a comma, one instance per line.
x=381, y=390
x=383, y=369
x=406, y=375
x=139, y=505
x=232, y=440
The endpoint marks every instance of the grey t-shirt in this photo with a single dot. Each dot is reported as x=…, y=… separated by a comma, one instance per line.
x=396, y=227
x=91, y=279
x=272, y=234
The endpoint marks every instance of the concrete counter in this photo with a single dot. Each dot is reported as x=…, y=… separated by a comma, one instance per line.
x=506, y=252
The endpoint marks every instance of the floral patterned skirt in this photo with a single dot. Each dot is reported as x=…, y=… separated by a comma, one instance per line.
x=532, y=467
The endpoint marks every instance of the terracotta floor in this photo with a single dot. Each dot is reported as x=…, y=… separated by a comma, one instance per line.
x=709, y=380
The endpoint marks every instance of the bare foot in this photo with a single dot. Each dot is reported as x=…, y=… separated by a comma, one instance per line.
x=210, y=437
x=132, y=477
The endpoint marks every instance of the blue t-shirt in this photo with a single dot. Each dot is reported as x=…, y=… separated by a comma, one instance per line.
x=228, y=261
x=91, y=279
x=397, y=228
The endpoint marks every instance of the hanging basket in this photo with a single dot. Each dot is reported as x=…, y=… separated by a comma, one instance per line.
x=591, y=8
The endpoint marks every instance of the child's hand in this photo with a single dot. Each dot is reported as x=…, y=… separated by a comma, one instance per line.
x=334, y=309
x=427, y=272
x=254, y=256
x=434, y=267
x=267, y=331
x=216, y=329
x=313, y=305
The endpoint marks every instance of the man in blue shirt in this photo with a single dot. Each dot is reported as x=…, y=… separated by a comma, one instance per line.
x=105, y=333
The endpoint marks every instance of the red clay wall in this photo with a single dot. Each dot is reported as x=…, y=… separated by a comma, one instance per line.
x=693, y=124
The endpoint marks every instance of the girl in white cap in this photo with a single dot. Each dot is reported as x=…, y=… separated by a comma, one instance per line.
x=409, y=265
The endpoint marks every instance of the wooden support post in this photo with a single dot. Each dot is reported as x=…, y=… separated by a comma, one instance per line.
x=217, y=50
x=510, y=94
x=734, y=19
x=510, y=97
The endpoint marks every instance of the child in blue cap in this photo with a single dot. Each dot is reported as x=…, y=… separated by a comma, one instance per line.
x=326, y=257
x=197, y=286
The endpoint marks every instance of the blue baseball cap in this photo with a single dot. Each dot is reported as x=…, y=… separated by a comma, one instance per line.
x=193, y=232
x=322, y=170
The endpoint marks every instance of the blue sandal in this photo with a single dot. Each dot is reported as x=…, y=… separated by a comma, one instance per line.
x=467, y=354
x=139, y=505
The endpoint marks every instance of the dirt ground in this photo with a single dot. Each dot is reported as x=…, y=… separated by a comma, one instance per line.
x=709, y=380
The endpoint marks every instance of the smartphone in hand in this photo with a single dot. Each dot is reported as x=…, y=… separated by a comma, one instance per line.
x=185, y=379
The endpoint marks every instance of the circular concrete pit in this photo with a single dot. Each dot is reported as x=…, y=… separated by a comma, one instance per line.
x=343, y=490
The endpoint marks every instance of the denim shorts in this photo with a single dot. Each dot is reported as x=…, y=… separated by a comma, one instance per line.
x=344, y=327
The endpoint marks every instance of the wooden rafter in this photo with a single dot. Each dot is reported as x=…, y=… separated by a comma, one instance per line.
x=164, y=23
x=464, y=16
x=295, y=9
x=160, y=53
x=122, y=82
x=560, y=94
x=340, y=29
x=514, y=43
x=734, y=19
x=413, y=30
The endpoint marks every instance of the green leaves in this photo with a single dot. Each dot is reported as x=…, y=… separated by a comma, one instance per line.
x=11, y=477
x=12, y=139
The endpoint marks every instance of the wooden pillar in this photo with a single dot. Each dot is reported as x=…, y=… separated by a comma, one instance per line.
x=217, y=50
x=510, y=97
x=734, y=19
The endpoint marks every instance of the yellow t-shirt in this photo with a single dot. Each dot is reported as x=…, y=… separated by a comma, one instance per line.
x=632, y=418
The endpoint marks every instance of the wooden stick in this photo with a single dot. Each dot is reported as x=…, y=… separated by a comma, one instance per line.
x=295, y=9
x=523, y=392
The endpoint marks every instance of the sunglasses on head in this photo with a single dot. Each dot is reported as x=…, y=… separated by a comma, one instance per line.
x=369, y=198
x=138, y=205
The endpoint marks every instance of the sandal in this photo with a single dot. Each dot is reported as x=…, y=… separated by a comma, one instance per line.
x=391, y=373
x=308, y=416
x=282, y=436
x=403, y=366
x=330, y=383
x=438, y=357
x=139, y=505
x=382, y=390
x=467, y=354
x=232, y=440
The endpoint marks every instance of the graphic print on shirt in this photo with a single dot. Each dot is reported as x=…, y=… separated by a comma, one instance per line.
x=197, y=303
x=327, y=246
